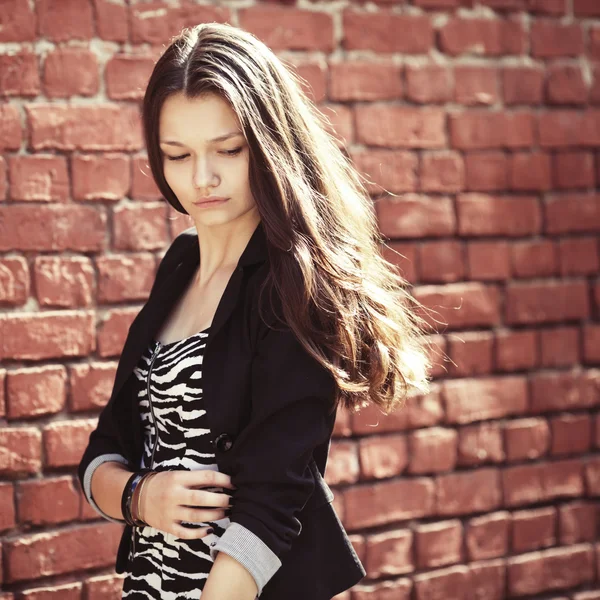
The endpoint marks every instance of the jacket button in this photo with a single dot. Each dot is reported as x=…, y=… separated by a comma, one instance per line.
x=223, y=442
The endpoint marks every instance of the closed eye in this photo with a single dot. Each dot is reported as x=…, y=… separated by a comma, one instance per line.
x=233, y=152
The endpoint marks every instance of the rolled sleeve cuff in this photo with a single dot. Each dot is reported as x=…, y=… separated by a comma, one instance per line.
x=250, y=551
x=87, y=481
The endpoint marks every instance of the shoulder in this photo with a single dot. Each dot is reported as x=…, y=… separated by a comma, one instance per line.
x=183, y=240
x=178, y=249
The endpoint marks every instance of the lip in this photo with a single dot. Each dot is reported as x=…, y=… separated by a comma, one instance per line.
x=210, y=200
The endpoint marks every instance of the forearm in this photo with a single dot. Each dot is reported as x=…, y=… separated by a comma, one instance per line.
x=108, y=483
x=229, y=580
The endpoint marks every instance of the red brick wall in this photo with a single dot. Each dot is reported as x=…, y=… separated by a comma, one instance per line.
x=484, y=119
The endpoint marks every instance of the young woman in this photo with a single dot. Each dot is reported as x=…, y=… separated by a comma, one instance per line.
x=269, y=313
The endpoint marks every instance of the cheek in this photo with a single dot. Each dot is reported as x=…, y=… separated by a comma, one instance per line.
x=174, y=176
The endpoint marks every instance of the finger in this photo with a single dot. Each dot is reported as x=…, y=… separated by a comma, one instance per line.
x=208, y=499
x=204, y=478
x=195, y=515
x=187, y=533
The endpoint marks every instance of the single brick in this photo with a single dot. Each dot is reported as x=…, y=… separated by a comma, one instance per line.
x=36, y=391
x=486, y=171
x=432, y=450
x=475, y=85
x=416, y=216
x=546, y=302
x=452, y=582
x=65, y=441
x=14, y=281
x=488, y=261
x=480, y=444
x=67, y=282
x=34, y=507
x=387, y=32
x=38, y=178
x=19, y=21
x=428, y=84
x=52, y=228
x=526, y=439
x=528, y=484
x=390, y=553
x=387, y=170
x=64, y=20
x=578, y=256
x=125, y=277
x=364, y=81
x=533, y=529
x=564, y=391
x=296, y=29
x=7, y=507
x=485, y=215
x=516, y=350
x=400, y=126
x=573, y=213
x=51, y=553
x=100, y=177
x=383, y=457
x=442, y=172
x=441, y=261
x=578, y=522
x=439, y=544
x=83, y=127
x=565, y=84
x=573, y=169
x=91, y=385
x=20, y=451
x=71, y=72
x=140, y=227
x=479, y=129
x=381, y=503
x=523, y=85
x=468, y=492
x=471, y=400
x=20, y=75
x=479, y=305
x=550, y=39
x=537, y=258
x=487, y=536
x=571, y=434
x=113, y=329
x=489, y=37
x=530, y=171
x=127, y=76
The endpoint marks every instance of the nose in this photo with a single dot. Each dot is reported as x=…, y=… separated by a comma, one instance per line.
x=204, y=175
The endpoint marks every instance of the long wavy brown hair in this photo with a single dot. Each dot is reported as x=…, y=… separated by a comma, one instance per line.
x=347, y=305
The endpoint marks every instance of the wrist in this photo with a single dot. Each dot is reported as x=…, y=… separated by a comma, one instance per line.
x=127, y=506
x=141, y=494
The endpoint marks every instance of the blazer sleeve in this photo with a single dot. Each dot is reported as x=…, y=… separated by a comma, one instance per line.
x=292, y=399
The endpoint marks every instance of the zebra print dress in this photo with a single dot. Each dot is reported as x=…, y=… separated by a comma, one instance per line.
x=161, y=566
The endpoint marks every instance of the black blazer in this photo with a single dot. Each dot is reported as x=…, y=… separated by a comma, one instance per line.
x=269, y=408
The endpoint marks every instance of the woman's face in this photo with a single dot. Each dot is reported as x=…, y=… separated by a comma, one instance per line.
x=205, y=154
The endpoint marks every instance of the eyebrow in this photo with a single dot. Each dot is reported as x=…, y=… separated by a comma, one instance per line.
x=220, y=138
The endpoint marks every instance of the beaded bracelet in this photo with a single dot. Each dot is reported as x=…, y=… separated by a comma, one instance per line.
x=127, y=496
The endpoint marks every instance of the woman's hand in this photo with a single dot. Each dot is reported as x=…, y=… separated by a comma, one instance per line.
x=172, y=497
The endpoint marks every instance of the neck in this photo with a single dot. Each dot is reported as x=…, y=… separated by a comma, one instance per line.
x=222, y=245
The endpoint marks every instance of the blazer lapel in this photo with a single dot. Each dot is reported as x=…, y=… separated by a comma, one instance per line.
x=165, y=296
x=152, y=316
